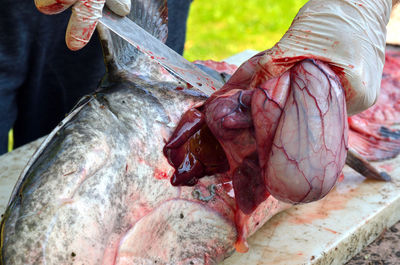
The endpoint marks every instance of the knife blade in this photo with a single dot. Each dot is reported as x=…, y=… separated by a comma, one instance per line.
x=155, y=49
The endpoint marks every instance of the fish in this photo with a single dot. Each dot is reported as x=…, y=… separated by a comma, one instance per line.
x=97, y=191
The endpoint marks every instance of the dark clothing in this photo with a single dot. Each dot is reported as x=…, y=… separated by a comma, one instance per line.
x=178, y=11
x=40, y=79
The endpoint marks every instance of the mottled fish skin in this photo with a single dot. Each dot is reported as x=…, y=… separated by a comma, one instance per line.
x=94, y=195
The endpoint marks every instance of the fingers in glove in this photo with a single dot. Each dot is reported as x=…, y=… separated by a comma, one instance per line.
x=51, y=7
x=83, y=22
x=349, y=35
x=243, y=76
x=119, y=7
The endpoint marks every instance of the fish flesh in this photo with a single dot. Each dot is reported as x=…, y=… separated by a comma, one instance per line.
x=97, y=191
x=372, y=133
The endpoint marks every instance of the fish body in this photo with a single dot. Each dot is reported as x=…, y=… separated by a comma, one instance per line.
x=97, y=191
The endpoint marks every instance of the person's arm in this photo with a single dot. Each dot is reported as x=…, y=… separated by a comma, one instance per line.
x=84, y=18
x=349, y=35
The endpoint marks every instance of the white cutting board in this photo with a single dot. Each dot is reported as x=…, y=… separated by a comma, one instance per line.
x=329, y=231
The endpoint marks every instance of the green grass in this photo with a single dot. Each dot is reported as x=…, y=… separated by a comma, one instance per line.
x=220, y=28
x=10, y=140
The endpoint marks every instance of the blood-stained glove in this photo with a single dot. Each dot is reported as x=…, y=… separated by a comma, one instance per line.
x=84, y=18
x=349, y=35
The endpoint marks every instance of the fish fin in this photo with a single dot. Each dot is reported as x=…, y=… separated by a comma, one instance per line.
x=375, y=148
x=152, y=15
x=119, y=55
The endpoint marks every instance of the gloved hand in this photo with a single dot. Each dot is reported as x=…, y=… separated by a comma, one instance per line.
x=84, y=18
x=349, y=35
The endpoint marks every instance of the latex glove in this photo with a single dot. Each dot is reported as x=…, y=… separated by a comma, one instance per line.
x=84, y=18
x=348, y=35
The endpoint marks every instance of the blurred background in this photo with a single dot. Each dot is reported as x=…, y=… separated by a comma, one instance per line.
x=221, y=28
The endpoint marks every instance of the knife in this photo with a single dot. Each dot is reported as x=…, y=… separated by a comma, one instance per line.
x=155, y=49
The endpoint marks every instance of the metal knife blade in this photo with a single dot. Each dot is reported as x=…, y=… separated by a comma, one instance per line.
x=155, y=49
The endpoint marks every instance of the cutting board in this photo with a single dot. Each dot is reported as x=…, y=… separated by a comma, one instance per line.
x=329, y=231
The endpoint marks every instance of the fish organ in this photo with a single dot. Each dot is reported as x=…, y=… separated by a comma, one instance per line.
x=285, y=136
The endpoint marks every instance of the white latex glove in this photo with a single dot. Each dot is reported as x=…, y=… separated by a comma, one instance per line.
x=84, y=18
x=349, y=35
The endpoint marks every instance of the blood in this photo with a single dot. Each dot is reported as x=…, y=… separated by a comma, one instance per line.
x=388, y=167
x=88, y=31
x=291, y=59
x=341, y=178
x=331, y=204
x=330, y=230
x=88, y=5
x=52, y=9
x=335, y=43
x=221, y=67
x=241, y=240
x=159, y=174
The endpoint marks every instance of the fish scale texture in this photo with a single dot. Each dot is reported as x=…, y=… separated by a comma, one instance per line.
x=94, y=195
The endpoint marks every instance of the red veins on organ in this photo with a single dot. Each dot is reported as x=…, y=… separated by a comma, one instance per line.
x=310, y=143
